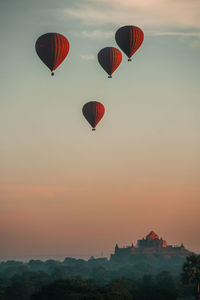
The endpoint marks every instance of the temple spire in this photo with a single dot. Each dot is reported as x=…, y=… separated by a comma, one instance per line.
x=116, y=247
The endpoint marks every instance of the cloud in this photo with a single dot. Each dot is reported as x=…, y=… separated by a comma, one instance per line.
x=90, y=15
x=175, y=33
x=30, y=191
x=97, y=34
x=153, y=13
x=194, y=42
x=88, y=57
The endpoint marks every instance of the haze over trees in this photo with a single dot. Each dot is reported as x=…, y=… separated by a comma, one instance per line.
x=92, y=279
x=150, y=270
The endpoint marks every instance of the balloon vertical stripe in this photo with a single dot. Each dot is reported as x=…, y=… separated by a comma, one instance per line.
x=93, y=112
x=52, y=49
x=129, y=38
x=110, y=59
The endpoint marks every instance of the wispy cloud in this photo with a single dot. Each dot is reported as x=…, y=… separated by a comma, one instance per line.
x=34, y=188
x=30, y=191
x=175, y=33
x=97, y=34
x=87, y=57
x=194, y=42
x=154, y=13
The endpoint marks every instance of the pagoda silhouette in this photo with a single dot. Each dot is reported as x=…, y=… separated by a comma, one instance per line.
x=150, y=245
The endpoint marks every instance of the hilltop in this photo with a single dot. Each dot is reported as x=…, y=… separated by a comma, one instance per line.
x=150, y=245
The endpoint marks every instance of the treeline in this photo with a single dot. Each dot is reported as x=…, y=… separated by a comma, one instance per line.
x=95, y=268
x=39, y=285
x=92, y=279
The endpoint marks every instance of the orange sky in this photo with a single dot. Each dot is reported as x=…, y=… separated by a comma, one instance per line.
x=67, y=190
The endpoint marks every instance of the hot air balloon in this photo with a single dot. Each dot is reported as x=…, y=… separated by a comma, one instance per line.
x=129, y=38
x=52, y=48
x=93, y=112
x=110, y=59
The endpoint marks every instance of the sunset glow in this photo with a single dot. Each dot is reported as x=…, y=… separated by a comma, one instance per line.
x=65, y=190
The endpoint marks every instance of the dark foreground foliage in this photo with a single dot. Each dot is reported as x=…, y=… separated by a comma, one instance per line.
x=40, y=286
x=94, y=279
x=78, y=289
x=191, y=273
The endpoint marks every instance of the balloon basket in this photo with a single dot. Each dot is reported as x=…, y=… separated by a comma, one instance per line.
x=52, y=73
x=129, y=59
x=110, y=76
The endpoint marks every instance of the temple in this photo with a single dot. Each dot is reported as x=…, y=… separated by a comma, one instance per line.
x=151, y=244
x=152, y=241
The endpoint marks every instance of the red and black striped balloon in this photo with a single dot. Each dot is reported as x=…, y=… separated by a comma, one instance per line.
x=110, y=59
x=93, y=112
x=129, y=38
x=52, y=49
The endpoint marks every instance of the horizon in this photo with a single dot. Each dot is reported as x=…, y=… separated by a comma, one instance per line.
x=86, y=256
x=67, y=189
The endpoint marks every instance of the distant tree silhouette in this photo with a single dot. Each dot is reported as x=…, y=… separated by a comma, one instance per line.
x=191, y=273
x=147, y=280
x=165, y=279
x=75, y=289
x=2, y=292
x=153, y=293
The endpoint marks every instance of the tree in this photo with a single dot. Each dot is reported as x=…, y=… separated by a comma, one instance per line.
x=191, y=273
x=165, y=279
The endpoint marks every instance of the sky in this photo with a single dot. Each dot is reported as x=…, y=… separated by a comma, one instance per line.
x=66, y=190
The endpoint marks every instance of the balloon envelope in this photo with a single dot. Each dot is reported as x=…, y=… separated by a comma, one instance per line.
x=52, y=48
x=110, y=59
x=129, y=38
x=93, y=112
